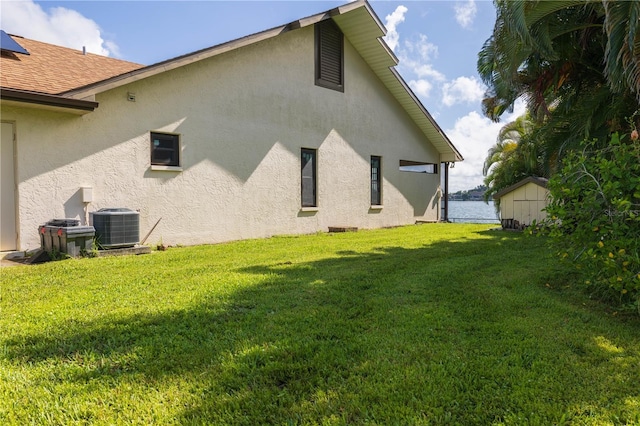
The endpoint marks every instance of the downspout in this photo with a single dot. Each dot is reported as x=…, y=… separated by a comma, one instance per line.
x=446, y=192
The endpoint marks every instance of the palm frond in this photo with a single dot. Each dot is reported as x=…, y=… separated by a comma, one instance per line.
x=622, y=54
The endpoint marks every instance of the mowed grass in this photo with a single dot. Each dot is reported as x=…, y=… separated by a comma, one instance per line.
x=429, y=324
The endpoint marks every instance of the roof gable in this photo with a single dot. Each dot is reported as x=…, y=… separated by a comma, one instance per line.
x=357, y=21
x=542, y=182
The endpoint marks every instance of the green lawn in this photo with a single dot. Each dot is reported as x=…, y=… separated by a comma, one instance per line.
x=429, y=324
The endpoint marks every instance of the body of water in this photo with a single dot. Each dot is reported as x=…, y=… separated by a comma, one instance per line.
x=472, y=212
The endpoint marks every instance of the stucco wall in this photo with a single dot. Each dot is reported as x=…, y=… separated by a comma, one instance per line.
x=524, y=204
x=243, y=117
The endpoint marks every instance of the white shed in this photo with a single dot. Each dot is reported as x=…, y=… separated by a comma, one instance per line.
x=522, y=203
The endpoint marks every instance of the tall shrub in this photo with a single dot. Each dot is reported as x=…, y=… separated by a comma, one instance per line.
x=594, y=215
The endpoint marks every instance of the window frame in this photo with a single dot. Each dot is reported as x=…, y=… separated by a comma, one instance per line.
x=175, y=141
x=314, y=177
x=321, y=33
x=376, y=180
x=408, y=166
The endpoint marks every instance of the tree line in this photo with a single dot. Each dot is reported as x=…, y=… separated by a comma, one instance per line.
x=475, y=194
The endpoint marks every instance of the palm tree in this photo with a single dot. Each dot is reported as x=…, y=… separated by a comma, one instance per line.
x=576, y=63
x=622, y=54
x=514, y=156
x=498, y=166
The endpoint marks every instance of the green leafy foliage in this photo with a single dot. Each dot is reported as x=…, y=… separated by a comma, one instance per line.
x=576, y=64
x=594, y=216
x=516, y=155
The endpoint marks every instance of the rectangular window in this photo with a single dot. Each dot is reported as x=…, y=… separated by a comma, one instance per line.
x=165, y=149
x=308, y=172
x=376, y=180
x=329, y=56
x=418, y=167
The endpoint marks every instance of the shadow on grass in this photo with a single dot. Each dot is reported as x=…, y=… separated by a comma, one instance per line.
x=451, y=332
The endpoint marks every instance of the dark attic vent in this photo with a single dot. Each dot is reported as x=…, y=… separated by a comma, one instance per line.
x=329, y=56
x=8, y=44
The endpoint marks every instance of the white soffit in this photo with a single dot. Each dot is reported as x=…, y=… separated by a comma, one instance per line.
x=364, y=31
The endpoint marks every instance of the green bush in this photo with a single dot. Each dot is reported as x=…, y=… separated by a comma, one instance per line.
x=594, y=216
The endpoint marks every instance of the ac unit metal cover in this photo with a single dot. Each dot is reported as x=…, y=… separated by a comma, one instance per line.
x=116, y=227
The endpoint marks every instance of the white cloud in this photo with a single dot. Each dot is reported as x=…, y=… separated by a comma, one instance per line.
x=425, y=49
x=392, y=21
x=112, y=47
x=415, y=57
x=427, y=70
x=466, y=13
x=474, y=135
x=426, y=77
x=58, y=25
x=421, y=87
x=462, y=90
x=519, y=108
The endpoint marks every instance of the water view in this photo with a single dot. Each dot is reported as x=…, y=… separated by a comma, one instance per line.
x=472, y=212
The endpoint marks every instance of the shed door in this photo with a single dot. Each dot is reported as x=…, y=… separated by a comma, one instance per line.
x=522, y=211
x=8, y=232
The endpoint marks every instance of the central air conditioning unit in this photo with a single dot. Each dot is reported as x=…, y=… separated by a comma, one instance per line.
x=116, y=227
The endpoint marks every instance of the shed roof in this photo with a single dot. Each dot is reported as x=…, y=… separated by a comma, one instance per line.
x=531, y=179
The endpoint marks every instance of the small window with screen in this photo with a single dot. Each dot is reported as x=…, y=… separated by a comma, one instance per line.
x=165, y=149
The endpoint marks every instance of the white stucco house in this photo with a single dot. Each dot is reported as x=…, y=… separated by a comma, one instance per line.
x=523, y=203
x=288, y=131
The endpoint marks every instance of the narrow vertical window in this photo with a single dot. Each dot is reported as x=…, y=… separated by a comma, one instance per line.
x=308, y=172
x=329, y=56
x=376, y=180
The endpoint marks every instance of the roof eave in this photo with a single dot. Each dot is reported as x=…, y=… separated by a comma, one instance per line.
x=448, y=152
x=169, y=64
x=43, y=100
x=363, y=29
x=542, y=182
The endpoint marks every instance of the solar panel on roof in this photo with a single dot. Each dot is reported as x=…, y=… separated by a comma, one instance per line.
x=9, y=44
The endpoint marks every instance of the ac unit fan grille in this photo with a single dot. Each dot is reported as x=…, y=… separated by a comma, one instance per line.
x=116, y=229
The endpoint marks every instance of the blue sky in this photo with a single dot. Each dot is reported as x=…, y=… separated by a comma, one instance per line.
x=436, y=41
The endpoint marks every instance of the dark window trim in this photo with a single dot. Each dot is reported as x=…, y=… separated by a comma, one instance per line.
x=174, y=138
x=314, y=177
x=328, y=25
x=376, y=181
